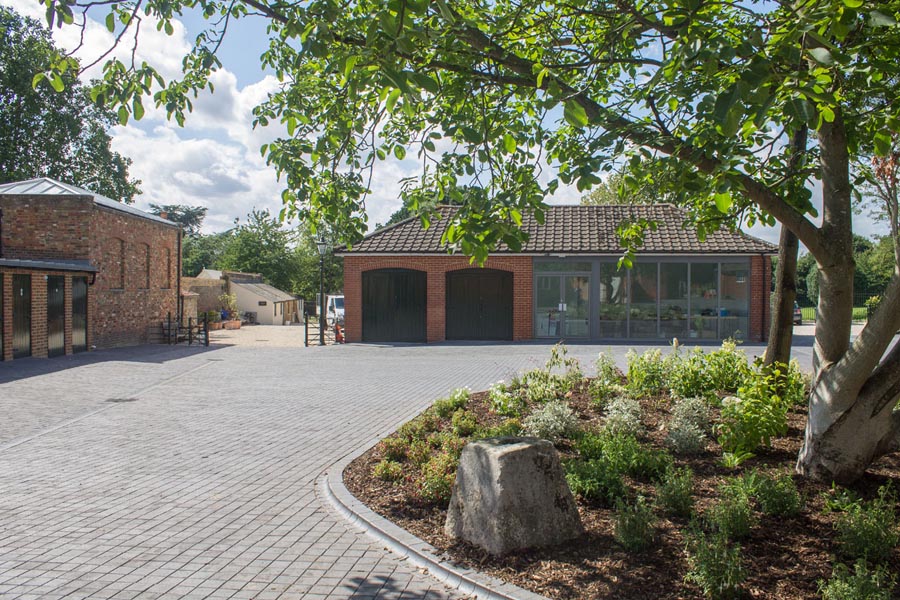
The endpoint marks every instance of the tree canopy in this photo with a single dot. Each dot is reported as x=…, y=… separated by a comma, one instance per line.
x=491, y=94
x=45, y=132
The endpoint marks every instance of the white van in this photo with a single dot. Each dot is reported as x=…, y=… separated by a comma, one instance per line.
x=334, y=310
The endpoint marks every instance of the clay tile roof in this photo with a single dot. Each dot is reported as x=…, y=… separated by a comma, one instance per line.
x=574, y=230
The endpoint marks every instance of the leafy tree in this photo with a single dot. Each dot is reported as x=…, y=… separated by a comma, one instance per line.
x=306, y=283
x=712, y=93
x=200, y=252
x=189, y=217
x=45, y=132
x=261, y=246
x=636, y=185
x=881, y=190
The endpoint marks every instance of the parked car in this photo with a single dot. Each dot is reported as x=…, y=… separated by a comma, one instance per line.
x=798, y=315
x=334, y=310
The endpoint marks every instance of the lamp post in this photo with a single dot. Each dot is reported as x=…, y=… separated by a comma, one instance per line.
x=322, y=246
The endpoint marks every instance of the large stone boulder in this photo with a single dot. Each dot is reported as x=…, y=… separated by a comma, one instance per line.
x=511, y=494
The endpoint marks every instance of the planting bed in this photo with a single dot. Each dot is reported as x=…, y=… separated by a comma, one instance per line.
x=785, y=556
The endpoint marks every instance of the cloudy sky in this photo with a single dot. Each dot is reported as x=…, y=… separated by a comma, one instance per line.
x=214, y=161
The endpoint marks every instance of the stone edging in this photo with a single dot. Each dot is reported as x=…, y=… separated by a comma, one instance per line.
x=401, y=542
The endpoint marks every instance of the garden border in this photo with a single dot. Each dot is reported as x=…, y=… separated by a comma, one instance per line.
x=399, y=541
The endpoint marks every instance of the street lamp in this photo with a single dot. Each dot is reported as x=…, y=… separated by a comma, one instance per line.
x=322, y=246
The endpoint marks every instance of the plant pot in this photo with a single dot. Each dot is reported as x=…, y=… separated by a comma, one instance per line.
x=232, y=324
x=215, y=326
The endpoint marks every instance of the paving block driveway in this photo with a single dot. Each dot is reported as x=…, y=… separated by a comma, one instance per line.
x=161, y=472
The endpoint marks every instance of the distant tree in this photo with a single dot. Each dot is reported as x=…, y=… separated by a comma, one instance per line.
x=306, y=284
x=199, y=252
x=189, y=217
x=637, y=185
x=262, y=246
x=880, y=187
x=53, y=130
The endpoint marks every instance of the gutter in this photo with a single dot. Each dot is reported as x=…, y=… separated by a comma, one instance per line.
x=178, y=300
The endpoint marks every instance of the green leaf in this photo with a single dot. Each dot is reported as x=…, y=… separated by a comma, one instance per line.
x=575, y=114
x=883, y=143
x=853, y=3
x=111, y=22
x=392, y=100
x=348, y=66
x=56, y=82
x=38, y=77
x=399, y=152
x=880, y=19
x=822, y=56
x=169, y=29
x=138, y=108
x=123, y=116
x=509, y=142
x=723, y=202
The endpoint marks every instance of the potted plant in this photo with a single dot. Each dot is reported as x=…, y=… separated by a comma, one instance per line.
x=214, y=320
x=229, y=306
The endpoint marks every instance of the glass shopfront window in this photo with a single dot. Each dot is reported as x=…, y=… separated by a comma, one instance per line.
x=704, y=300
x=673, y=300
x=613, y=301
x=734, y=301
x=644, y=286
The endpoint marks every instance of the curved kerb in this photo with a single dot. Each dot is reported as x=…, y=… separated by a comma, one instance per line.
x=405, y=544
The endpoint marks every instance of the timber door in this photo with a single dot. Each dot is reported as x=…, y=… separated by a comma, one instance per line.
x=393, y=307
x=79, y=314
x=56, y=315
x=479, y=305
x=21, y=316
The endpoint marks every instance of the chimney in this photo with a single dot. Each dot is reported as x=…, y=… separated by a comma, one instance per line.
x=163, y=215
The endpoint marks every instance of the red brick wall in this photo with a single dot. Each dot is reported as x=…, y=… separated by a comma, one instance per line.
x=38, y=310
x=521, y=266
x=123, y=307
x=436, y=268
x=46, y=227
x=760, y=290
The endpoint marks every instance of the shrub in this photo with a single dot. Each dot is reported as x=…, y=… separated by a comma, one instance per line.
x=714, y=565
x=542, y=386
x=570, y=367
x=646, y=373
x=394, y=448
x=861, y=584
x=508, y=428
x=635, y=524
x=606, y=368
x=453, y=446
x=420, y=427
x=868, y=530
x=436, y=481
x=623, y=416
x=686, y=377
x=463, y=423
x=552, y=422
x=595, y=481
x=731, y=515
x=684, y=437
x=419, y=452
x=388, y=470
x=777, y=496
x=687, y=426
x=675, y=494
x=726, y=368
x=602, y=390
x=624, y=454
x=759, y=413
x=447, y=406
x=505, y=401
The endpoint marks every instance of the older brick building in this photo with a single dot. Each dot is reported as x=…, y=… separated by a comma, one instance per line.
x=400, y=284
x=79, y=270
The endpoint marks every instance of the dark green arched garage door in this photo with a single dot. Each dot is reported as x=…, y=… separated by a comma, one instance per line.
x=479, y=305
x=393, y=305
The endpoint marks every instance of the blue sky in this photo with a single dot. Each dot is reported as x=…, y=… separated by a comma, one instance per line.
x=214, y=161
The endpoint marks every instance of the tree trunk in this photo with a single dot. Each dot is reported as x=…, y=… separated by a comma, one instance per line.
x=781, y=331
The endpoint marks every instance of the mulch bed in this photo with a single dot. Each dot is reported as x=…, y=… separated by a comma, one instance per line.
x=783, y=557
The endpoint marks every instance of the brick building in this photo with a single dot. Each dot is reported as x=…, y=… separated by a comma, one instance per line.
x=400, y=284
x=79, y=270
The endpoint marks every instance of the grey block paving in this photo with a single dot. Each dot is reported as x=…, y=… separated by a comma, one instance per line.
x=203, y=486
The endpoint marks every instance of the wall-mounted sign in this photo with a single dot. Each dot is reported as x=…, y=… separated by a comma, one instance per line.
x=262, y=302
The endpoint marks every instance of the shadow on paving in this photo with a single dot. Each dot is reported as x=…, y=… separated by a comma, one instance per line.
x=23, y=368
x=381, y=587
